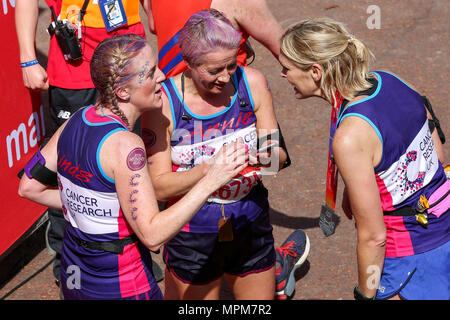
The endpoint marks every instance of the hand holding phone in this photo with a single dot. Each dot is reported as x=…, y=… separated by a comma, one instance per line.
x=262, y=157
x=267, y=147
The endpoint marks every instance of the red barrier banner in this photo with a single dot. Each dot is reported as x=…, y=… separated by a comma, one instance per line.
x=22, y=130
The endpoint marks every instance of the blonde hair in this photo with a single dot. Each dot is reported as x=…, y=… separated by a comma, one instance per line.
x=344, y=59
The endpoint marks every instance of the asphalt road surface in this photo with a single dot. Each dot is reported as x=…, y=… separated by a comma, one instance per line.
x=409, y=38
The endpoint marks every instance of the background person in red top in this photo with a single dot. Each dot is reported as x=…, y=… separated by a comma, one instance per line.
x=251, y=17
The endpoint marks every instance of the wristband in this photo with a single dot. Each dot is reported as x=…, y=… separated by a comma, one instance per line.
x=361, y=296
x=28, y=63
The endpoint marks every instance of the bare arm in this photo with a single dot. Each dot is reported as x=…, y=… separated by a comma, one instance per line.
x=266, y=121
x=32, y=189
x=26, y=18
x=168, y=184
x=255, y=18
x=123, y=159
x=356, y=149
x=147, y=5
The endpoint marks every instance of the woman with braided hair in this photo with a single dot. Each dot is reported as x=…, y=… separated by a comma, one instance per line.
x=104, y=187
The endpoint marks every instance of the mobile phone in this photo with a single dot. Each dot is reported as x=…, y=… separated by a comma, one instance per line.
x=265, y=148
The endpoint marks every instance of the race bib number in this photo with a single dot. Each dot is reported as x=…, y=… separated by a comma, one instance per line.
x=185, y=157
x=237, y=188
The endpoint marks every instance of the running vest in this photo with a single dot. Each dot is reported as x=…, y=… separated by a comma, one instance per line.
x=169, y=18
x=93, y=212
x=196, y=138
x=409, y=165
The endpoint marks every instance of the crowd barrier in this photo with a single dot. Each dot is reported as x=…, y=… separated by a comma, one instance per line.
x=22, y=130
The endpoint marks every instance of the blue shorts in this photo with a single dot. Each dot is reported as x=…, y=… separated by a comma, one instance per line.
x=200, y=258
x=425, y=276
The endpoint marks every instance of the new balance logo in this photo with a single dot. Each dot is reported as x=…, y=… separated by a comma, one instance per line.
x=63, y=114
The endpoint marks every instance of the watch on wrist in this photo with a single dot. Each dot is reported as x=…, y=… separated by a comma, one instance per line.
x=361, y=296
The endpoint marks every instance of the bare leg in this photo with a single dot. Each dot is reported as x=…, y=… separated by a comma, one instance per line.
x=170, y=288
x=255, y=286
x=187, y=291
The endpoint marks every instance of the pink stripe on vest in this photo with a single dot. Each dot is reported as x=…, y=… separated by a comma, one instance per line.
x=385, y=196
x=132, y=277
x=398, y=239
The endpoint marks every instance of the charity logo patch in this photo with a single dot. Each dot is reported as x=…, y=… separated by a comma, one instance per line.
x=190, y=156
x=404, y=184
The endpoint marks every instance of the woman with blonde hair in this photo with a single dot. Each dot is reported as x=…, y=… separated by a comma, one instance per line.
x=385, y=147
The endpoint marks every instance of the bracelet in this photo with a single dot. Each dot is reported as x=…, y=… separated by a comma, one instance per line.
x=361, y=296
x=28, y=63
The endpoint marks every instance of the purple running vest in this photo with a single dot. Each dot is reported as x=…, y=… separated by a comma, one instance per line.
x=196, y=138
x=409, y=166
x=92, y=209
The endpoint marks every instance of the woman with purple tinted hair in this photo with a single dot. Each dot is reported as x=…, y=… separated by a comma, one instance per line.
x=215, y=32
x=104, y=187
x=212, y=104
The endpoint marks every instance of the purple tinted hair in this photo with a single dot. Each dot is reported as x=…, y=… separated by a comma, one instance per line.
x=205, y=31
x=111, y=61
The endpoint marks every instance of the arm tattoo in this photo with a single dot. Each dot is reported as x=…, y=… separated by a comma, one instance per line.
x=132, y=196
x=133, y=213
x=149, y=138
x=136, y=159
x=134, y=183
x=134, y=192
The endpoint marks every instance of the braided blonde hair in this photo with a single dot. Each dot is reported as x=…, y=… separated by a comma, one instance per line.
x=344, y=59
x=111, y=67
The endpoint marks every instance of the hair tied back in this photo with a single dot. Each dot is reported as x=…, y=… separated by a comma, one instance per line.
x=351, y=38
